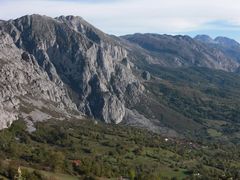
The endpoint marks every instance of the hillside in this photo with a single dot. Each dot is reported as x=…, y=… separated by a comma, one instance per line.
x=182, y=51
x=82, y=149
x=228, y=46
x=192, y=99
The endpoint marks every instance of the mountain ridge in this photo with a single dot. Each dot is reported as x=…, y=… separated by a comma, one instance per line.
x=173, y=85
x=182, y=51
x=46, y=38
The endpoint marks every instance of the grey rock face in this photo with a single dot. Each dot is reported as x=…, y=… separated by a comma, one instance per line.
x=126, y=62
x=67, y=61
x=134, y=118
x=227, y=46
x=146, y=75
x=21, y=76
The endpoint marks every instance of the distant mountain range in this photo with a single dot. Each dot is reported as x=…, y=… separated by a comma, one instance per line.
x=228, y=46
x=183, y=51
x=65, y=68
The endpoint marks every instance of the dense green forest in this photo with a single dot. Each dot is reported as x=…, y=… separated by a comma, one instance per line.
x=84, y=149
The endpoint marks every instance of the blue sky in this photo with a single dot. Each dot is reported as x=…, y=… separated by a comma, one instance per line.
x=119, y=17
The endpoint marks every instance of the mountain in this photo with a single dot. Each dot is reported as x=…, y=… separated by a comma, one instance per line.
x=64, y=68
x=227, y=42
x=70, y=63
x=195, y=94
x=182, y=51
x=64, y=84
x=229, y=47
x=222, y=41
x=204, y=38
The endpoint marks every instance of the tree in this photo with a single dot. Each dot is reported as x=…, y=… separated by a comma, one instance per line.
x=57, y=161
x=132, y=174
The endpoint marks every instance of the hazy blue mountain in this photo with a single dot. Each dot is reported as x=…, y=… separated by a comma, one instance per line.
x=229, y=47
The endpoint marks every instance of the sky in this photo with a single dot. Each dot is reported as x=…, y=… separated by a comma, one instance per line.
x=120, y=17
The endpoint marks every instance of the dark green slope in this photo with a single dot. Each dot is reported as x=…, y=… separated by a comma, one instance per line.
x=196, y=101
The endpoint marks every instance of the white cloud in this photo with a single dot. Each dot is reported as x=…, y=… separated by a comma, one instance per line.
x=129, y=16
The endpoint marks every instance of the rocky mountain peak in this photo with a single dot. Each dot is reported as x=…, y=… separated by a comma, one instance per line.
x=80, y=25
x=181, y=51
x=204, y=38
x=79, y=58
x=220, y=40
x=226, y=41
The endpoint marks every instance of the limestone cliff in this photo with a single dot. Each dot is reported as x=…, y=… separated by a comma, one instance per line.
x=67, y=61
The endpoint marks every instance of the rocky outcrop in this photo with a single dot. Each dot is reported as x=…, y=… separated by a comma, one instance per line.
x=146, y=75
x=21, y=76
x=67, y=61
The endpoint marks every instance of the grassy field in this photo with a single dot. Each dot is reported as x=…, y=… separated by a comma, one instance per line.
x=51, y=175
x=214, y=133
